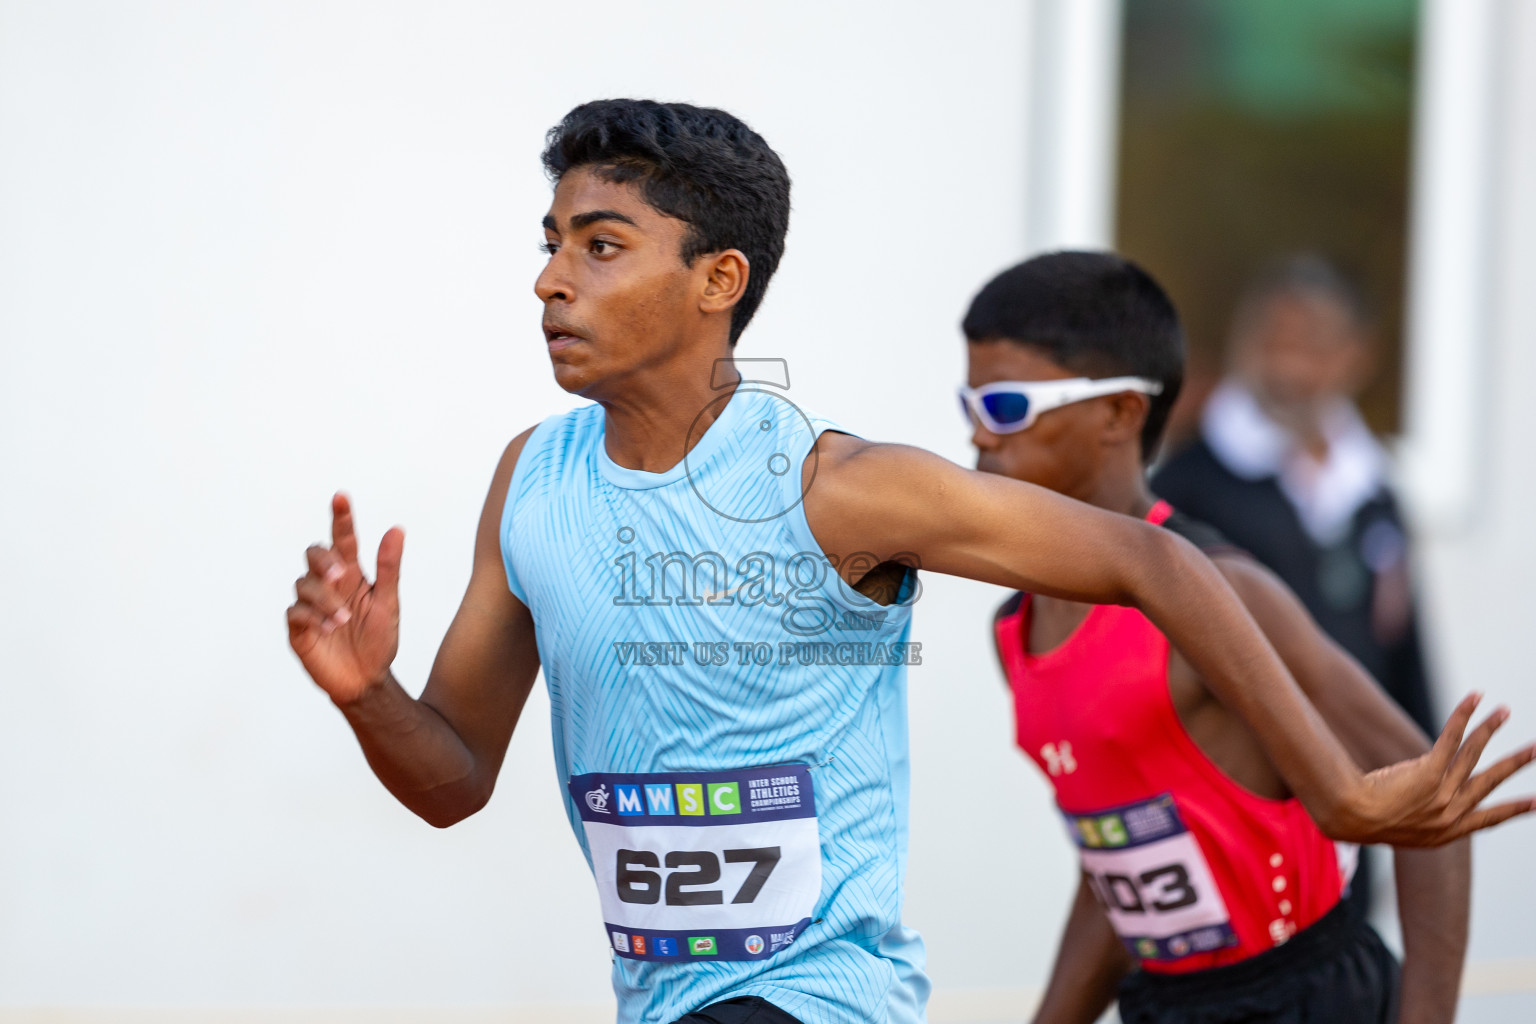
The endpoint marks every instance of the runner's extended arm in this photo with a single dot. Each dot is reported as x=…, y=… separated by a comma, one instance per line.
x=893, y=501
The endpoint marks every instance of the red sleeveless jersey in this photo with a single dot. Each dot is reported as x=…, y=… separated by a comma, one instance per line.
x=1193, y=870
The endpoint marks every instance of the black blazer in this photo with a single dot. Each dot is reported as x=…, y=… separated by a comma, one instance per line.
x=1337, y=584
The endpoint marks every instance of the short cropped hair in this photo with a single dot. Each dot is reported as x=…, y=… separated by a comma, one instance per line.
x=1092, y=313
x=1307, y=275
x=700, y=165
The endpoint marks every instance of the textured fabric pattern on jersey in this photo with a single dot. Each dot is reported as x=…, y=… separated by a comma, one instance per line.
x=598, y=552
x=1337, y=970
x=1096, y=716
x=750, y=1010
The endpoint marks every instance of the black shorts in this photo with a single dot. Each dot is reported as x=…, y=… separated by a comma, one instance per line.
x=1336, y=970
x=746, y=1010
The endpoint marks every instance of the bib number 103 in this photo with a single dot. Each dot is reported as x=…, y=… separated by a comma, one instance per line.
x=1162, y=889
x=639, y=878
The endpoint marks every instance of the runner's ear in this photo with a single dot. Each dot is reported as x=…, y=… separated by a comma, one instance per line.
x=726, y=275
x=1126, y=414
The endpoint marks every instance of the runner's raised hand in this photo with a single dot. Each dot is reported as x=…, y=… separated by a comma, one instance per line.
x=1435, y=799
x=344, y=629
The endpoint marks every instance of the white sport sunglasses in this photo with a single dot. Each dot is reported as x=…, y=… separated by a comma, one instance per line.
x=1009, y=406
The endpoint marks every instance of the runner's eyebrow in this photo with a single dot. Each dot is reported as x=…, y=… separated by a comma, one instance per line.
x=582, y=220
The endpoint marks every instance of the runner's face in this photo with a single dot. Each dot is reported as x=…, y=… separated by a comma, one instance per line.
x=1062, y=450
x=616, y=292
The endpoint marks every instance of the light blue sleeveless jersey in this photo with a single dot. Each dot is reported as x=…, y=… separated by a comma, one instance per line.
x=688, y=622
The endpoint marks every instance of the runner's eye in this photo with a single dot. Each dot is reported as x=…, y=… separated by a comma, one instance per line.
x=601, y=246
x=549, y=248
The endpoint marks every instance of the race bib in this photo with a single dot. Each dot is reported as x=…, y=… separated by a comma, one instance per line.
x=1153, y=880
x=698, y=866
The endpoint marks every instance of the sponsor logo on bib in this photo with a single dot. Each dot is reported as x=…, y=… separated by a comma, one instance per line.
x=629, y=800
x=702, y=945
x=754, y=944
x=724, y=798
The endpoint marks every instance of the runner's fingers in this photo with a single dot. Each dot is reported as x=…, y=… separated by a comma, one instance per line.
x=327, y=566
x=387, y=584
x=1489, y=817
x=1485, y=782
x=303, y=619
x=1449, y=740
x=324, y=563
x=1472, y=749
x=343, y=533
x=323, y=600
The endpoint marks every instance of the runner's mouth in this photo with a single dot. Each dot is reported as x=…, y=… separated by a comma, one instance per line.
x=557, y=336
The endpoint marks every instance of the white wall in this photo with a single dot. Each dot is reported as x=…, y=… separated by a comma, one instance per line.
x=1478, y=564
x=1073, y=129
x=251, y=253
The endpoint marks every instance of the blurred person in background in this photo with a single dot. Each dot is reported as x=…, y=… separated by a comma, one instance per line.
x=1286, y=469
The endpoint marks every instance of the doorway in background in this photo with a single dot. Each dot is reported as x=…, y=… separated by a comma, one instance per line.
x=1251, y=130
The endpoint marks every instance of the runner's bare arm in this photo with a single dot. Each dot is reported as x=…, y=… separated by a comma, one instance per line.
x=1433, y=886
x=889, y=499
x=1090, y=961
x=440, y=754
x=1433, y=891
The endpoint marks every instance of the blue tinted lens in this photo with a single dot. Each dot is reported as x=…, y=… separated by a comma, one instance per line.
x=1006, y=407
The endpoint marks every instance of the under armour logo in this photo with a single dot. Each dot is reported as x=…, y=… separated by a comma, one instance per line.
x=1058, y=758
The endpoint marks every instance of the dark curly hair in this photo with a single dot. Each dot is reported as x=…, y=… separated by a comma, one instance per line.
x=1092, y=313
x=697, y=164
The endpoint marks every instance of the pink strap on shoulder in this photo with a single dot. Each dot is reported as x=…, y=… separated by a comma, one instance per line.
x=1159, y=513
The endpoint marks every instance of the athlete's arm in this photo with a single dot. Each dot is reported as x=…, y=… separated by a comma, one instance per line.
x=892, y=500
x=1433, y=886
x=1090, y=961
x=438, y=755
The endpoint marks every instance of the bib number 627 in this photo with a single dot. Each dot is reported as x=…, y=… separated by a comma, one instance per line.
x=690, y=869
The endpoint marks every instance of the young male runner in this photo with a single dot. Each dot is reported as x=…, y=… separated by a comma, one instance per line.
x=1196, y=860
x=677, y=556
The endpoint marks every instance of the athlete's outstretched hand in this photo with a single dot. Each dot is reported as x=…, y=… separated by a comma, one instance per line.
x=1434, y=799
x=343, y=629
